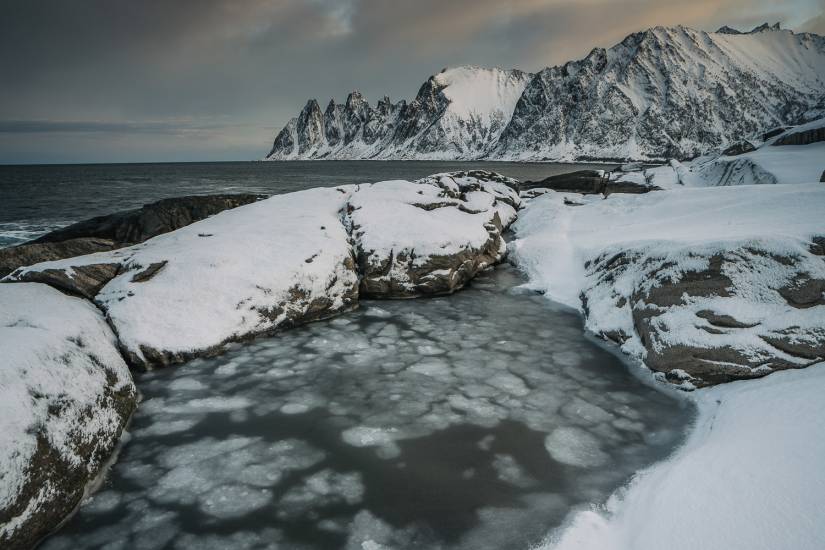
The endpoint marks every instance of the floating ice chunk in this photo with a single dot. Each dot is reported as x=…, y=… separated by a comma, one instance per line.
x=579, y=409
x=428, y=349
x=575, y=447
x=431, y=368
x=232, y=501
x=365, y=436
x=510, y=471
x=209, y=404
x=186, y=384
x=509, y=383
x=566, y=358
x=486, y=442
x=266, y=539
x=102, y=502
x=294, y=408
x=159, y=428
x=323, y=488
x=375, y=311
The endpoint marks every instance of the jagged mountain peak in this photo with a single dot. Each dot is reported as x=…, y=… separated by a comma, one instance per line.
x=661, y=92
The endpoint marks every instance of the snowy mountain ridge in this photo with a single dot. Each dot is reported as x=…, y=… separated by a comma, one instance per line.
x=666, y=92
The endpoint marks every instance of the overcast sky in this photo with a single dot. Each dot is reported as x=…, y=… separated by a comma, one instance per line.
x=163, y=80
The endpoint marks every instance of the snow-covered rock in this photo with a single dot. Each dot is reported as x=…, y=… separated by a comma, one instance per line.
x=247, y=271
x=661, y=93
x=432, y=236
x=705, y=284
x=750, y=476
x=65, y=396
x=289, y=260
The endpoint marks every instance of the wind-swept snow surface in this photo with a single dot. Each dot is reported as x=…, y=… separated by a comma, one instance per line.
x=751, y=477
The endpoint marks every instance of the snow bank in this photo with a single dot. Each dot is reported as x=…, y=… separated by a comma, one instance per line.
x=718, y=282
x=750, y=477
x=65, y=395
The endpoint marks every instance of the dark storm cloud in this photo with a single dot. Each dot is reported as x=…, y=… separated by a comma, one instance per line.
x=191, y=78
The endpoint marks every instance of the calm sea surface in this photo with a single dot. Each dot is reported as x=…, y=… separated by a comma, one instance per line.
x=38, y=199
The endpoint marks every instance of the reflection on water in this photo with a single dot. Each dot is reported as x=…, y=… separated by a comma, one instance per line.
x=472, y=421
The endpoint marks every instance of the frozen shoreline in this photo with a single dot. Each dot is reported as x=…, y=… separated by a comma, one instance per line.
x=749, y=476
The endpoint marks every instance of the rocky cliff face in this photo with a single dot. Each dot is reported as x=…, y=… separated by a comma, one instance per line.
x=660, y=93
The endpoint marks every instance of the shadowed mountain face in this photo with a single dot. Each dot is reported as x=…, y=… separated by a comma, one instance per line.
x=661, y=93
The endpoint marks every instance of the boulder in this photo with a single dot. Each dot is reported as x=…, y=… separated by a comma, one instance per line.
x=65, y=397
x=802, y=137
x=739, y=148
x=714, y=315
x=251, y=270
x=580, y=181
x=429, y=237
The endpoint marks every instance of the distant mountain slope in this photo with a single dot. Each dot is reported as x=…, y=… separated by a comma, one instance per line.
x=661, y=93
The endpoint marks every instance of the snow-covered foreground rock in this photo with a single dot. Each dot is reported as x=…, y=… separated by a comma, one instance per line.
x=65, y=396
x=430, y=238
x=288, y=260
x=243, y=272
x=706, y=285
x=749, y=477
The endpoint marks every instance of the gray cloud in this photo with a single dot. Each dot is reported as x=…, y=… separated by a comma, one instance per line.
x=189, y=78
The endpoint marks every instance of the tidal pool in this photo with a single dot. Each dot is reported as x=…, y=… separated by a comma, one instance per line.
x=477, y=421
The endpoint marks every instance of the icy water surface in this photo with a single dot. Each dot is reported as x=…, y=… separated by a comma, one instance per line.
x=473, y=421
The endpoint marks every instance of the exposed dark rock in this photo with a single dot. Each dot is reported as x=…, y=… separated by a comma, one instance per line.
x=82, y=280
x=662, y=289
x=774, y=132
x=587, y=182
x=30, y=254
x=149, y=272
x=136, y=226
x=739, y=148
x=804, y=292
x=721, y=320
x=802, y=137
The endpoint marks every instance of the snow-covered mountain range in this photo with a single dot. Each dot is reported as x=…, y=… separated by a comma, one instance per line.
x=660, y=93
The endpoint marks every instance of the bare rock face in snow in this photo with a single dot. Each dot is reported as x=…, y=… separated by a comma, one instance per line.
x=717, y=316
x=707, y=91
x=150, y=220
x=65, y=396
x=118, y=230
x=432, y=236
x=29, y=254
